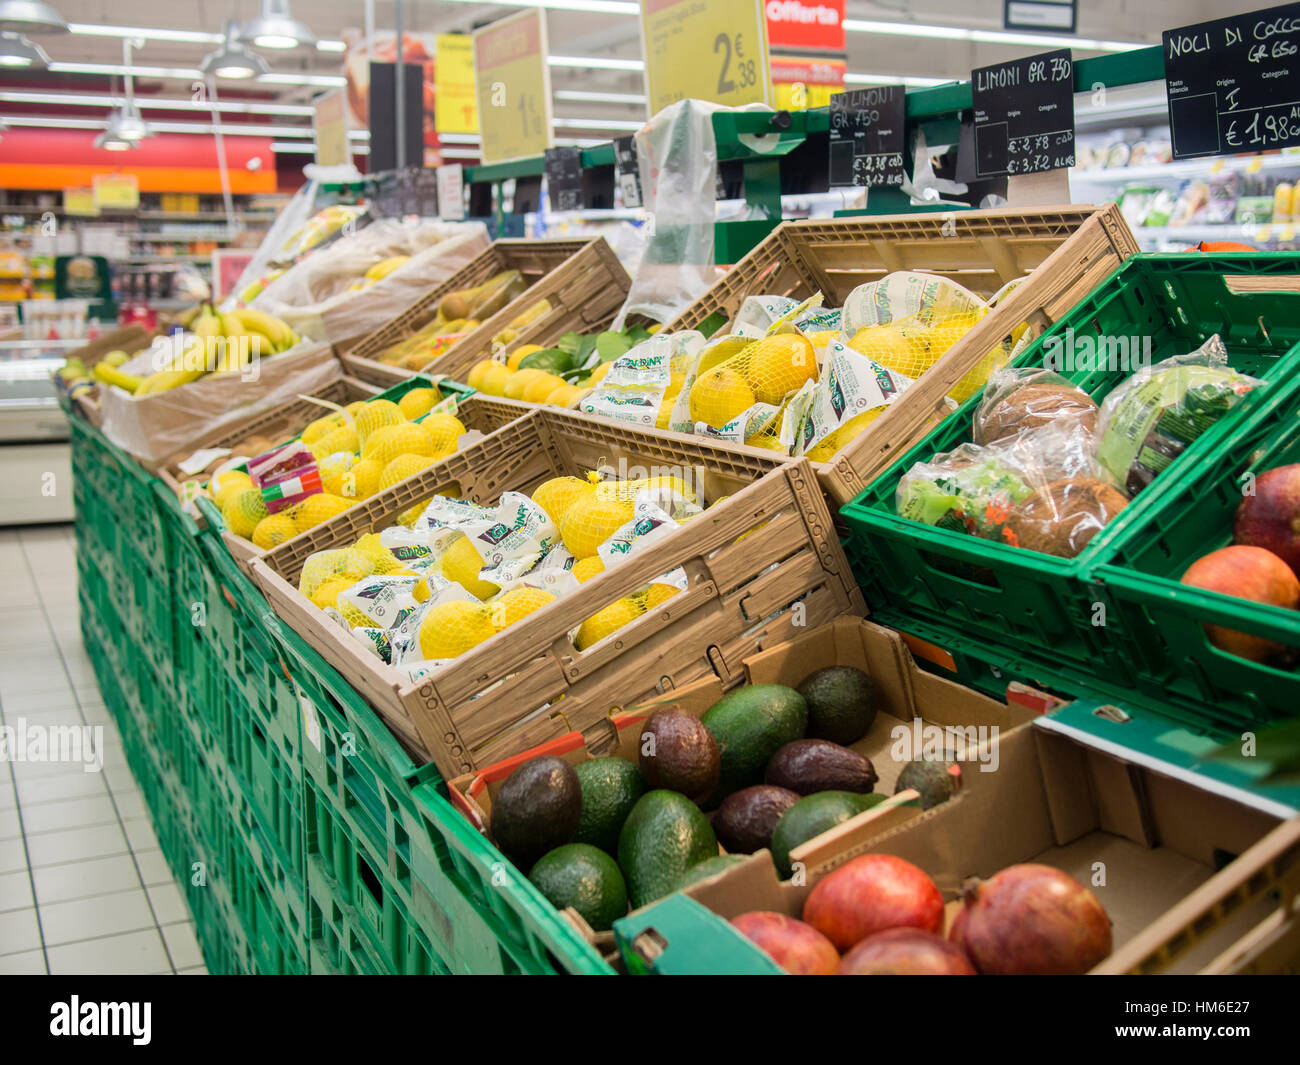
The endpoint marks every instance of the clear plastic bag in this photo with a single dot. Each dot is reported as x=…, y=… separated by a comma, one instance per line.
x=1017, y=399
x=1150, y=419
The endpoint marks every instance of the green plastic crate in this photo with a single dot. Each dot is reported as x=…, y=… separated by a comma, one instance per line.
x=1163, y=621
x=1020, y=603
x=335, y=946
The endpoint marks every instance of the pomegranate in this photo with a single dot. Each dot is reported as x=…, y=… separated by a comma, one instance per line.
x=1247, y=573
x=906, y=952
x=798, y=948
x=871, y=894
x=1270, y=518
x=957, y=933
x=1034, y=920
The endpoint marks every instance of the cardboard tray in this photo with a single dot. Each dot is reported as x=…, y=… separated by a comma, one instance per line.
x=1147, y=844
x=1063, y=253
x=743, y=594
x=582, y=279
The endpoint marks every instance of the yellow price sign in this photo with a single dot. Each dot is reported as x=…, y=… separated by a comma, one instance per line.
x=331, y=123
x=799, y=84
x=117, y=191
x=513, y=87
x=80, y=202
x=698, y=50
x=455, y=109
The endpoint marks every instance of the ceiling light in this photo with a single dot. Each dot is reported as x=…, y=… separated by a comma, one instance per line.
x=600, y=97
x=30, y=16
x=602, y=7
x=154, y=103
x=276, y=28
x=893, y=79
x=17, y=51
x=325, y=81
x=595, y=123
x=111, y=142
x=149, y=33
x=233, y=60
x=963, y=33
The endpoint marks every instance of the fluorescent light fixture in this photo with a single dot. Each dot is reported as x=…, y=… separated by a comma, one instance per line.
x=581, y=96
x=331, y=46
x=154, y=103
x=18, y=53
x=30, y=16
x=964, y=33
x=150, y=33
x=324, y=81
x=595, y=123
x=579, y=142
x=459, y=138
x=308, y=148
x=233, y=60
x=276, y=28
x=460, y=153
x=594, y=62
x=111, y=142
x=893, y=79
x=600, y=7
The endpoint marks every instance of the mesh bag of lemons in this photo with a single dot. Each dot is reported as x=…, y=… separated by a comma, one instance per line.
x=421, y=595
x=358, y=451
x=796, y=377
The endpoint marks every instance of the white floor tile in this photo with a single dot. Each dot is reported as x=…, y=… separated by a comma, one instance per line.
x=132, y=953
x=28, y=963
x=15, y=891
x=54, y=789
x=78, y=813
x=198, y=970
x=153, y=867
x=79, y=880
x=10, y=824
x=182, y=945
x=71, y=922
x=13, y=855
x=168, y=904
x=20, y=932
x=74, y=845
x=141, y=836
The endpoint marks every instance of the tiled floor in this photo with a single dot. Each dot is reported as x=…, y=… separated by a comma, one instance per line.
x=83, y=885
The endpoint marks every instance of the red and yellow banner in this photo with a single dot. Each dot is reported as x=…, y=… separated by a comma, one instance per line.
x=799, y=84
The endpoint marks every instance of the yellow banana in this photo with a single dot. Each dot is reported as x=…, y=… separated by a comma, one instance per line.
x=258, y=339
x=208, y=323
x=280, y=334
x=165, y=380
x=385, y=267
x=111, y=375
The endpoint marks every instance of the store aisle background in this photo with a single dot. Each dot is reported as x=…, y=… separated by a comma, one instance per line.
x=84, y=888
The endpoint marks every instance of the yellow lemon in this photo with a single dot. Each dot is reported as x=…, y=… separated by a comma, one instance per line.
x=327, y=594
x=659, y=593
x=333, y=471
x=519, y=381
x=229, y=483
x=462, y=563
x=242, y=511
x=402, y=467
x=496, y=379
x=591, y=520
x=376, y=414
x=779, y=365
x=720, y=396
x=564, y=396
x=389, y=441
x=417, y=402
x=315, y=430
x=478, y=373
x=586, y=568
x=598, y=374
x=826, y=449
x=515, y=604
x=558, y=494
x=451, y=629
x=606, y=621
x=540, y=387
x=337, y=440
x=318, y=508
x=443, y=431
x=363, y=480
x=273, y=529
x=520, y=353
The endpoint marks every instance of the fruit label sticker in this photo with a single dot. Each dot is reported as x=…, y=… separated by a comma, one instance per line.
x=513, y=87
x=715, y=51
x=852, y=392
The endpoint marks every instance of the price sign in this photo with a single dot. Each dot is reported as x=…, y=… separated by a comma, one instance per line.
x=564, y=178
x=705, y=51
x=629, y=172
x=454, y=107
x=1233, y=84
x=866, y=137
x=116, y=191
x=451, y=198
x=1024, y=115
x=80, y=202
x=513, y=86
x=331, y=124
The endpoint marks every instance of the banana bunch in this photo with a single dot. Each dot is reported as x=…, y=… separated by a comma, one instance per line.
x=220, y=342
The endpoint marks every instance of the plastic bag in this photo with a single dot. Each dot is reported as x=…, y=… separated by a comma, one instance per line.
x=327, y=296
x=1016, y=399
x=642, y=386
x=1150, y=419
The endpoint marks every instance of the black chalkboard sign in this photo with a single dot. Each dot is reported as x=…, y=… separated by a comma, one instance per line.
x=629, y=173
x=564, y=178
x=1024, y=115
x=866, y=137
x=1234, y=84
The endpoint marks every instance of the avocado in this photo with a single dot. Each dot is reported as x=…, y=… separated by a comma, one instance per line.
x=707, y=868
x=586, y=878
x=810, y=766
x=537, y=809
x=610, y=788
x=746, y=818
x=811, y=816
x=841, y=704
x=679, y=753
x=936, y=781
x=663, y=836
x=750, y=725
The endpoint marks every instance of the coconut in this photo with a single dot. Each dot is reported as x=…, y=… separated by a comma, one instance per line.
x=1062, y=517
x=1034, y=404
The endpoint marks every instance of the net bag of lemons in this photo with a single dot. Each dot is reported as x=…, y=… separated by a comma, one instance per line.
x=643, y=385
x=421, y=595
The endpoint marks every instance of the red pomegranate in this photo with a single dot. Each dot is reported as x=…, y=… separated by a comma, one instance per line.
x=1270, y=516
x=871, y=894
x=1033, y=920
x=1248, y=573
x=906, y=952
x=799, y=949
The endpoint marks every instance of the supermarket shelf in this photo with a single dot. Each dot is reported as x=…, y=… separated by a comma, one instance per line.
x=1184, y=168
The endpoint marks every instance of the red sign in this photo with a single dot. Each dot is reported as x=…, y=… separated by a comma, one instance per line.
x=805, y=25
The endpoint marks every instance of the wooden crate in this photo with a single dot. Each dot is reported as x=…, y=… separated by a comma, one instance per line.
x=1063, y=253
x=478, y=413
x=484, y=706
x=540, y=261
x=584, y=290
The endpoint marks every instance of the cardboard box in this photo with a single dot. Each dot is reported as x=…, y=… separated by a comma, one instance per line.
x=1146, y=843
